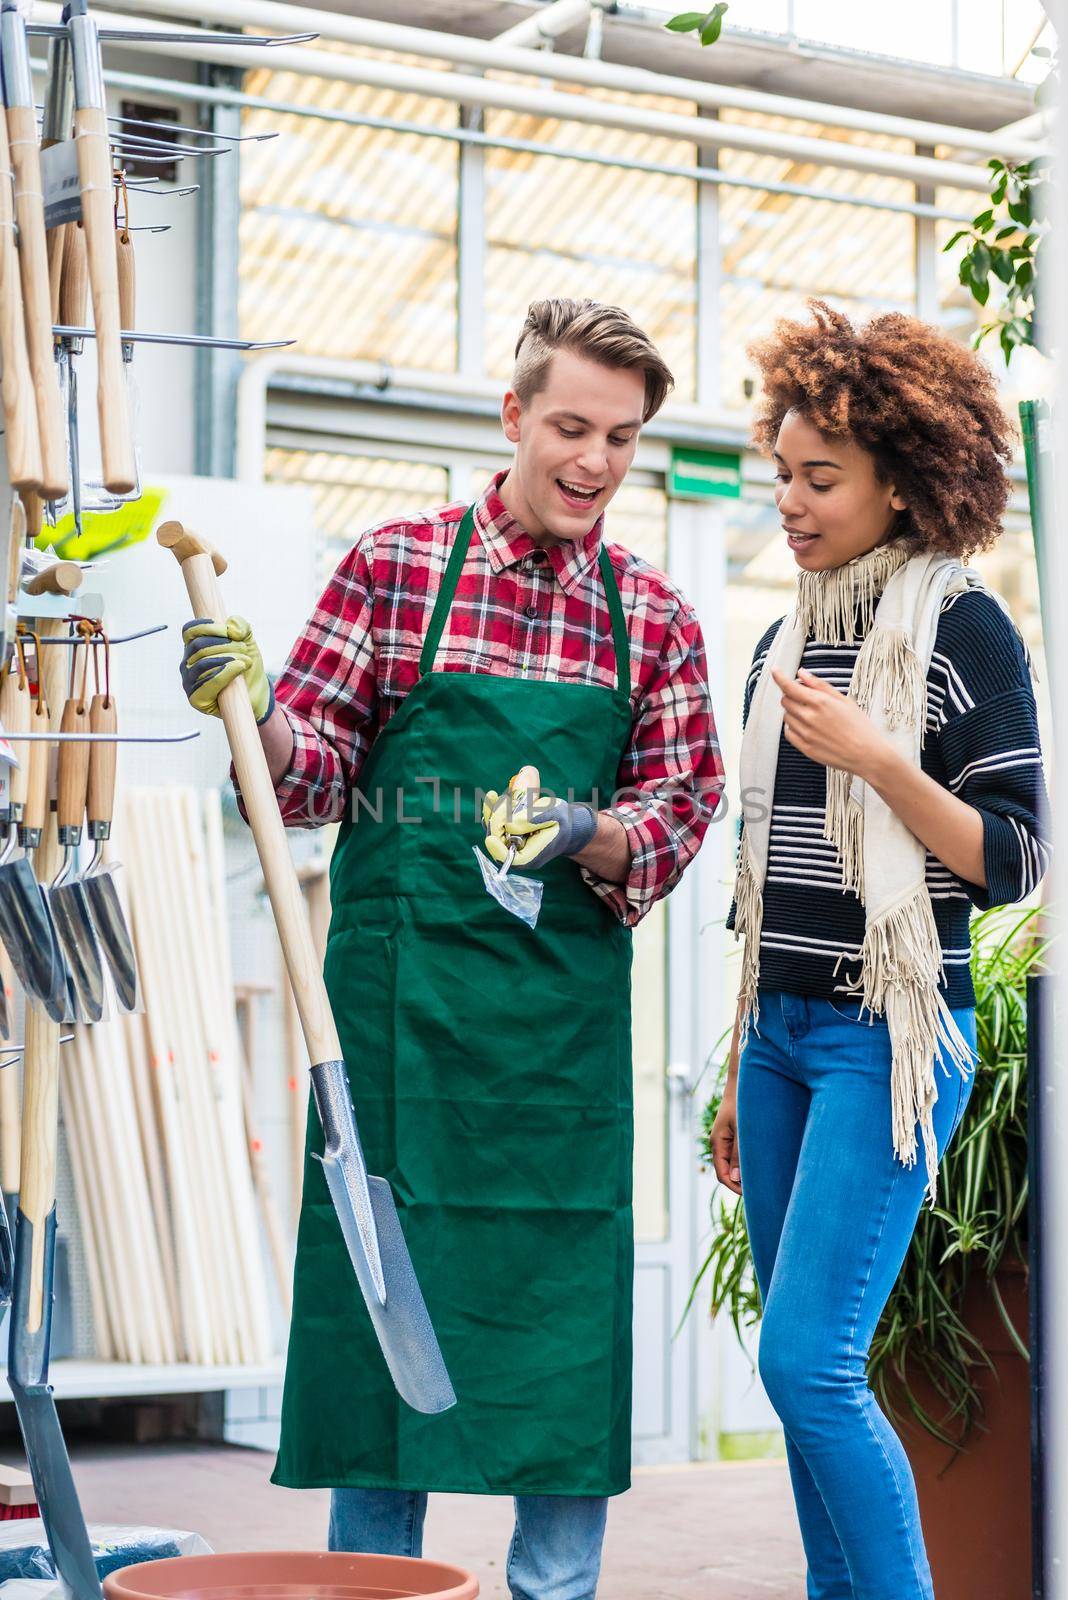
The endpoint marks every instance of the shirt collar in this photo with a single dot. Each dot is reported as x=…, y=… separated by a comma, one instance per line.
x=507, y=542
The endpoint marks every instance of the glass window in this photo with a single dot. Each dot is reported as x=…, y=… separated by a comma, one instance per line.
x=560, y=227
x=777, y=250
x=353, y=493
x=348, y=234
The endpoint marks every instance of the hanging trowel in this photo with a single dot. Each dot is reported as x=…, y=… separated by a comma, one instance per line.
x=67, y=896
x=109, y=918
x=25, y=921
x=521, y=896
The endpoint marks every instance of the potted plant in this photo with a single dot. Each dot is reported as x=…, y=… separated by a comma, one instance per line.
x=949, y=1360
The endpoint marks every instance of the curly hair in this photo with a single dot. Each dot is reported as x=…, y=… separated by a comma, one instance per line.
x=923, y=406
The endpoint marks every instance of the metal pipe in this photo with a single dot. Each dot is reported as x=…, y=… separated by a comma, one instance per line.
x=702, y=131
x=379, y=376
x=1052, y=1581
x=545, y=25
x=204, y=93
x=495, y=55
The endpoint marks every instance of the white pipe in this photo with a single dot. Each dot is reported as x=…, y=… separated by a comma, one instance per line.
x=275, y=17
x=1051, y=1213
x=546, y=24
x=258, y=374
x=568, y=107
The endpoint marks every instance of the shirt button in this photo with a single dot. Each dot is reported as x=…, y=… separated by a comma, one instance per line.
x=532, y=610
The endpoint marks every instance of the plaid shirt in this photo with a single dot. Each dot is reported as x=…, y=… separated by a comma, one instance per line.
x=519, y=611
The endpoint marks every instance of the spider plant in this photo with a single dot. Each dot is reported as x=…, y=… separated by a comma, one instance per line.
x=978, y=1226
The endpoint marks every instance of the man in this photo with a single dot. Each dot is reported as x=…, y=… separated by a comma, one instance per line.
x=490, y=1062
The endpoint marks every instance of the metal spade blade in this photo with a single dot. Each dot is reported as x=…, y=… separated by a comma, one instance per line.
x=27, y=930
x=42, y=1436
x=367, y=1213
x=77, y=941
x=109, y=923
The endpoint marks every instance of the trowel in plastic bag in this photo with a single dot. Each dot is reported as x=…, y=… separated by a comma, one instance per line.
x=520, y=896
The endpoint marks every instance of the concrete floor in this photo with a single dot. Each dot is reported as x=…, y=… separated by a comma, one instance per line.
x=726, y=1529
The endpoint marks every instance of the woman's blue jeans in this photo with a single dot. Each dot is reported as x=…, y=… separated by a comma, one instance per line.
x=555, y=1553
x=830, y=1212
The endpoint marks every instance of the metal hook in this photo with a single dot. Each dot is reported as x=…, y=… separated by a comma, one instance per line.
x=193, y=340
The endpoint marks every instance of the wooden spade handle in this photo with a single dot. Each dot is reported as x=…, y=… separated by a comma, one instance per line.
x=73, y=766
x=9, y=1092
x=201, y=566
x=63, y=577
x=74, y=283
x=103, y=718
x=40, y=1066
x=94, y=173
x=15, y=708
x=37, y=297
x=20, y=416
x=18, y=541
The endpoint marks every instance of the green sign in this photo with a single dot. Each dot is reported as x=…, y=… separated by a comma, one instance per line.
x=702, y=474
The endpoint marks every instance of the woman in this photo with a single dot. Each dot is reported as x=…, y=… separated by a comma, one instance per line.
x=890, y=721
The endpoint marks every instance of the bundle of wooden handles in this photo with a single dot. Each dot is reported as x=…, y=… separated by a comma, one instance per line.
x=33, y=415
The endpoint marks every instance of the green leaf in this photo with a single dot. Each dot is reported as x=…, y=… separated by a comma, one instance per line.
x=961, y=233
x=997, y=193
x=1025, y=274
x=1001, y=263
x=995, y=165
x=981, y=262
x=686, y=22
x=714, y=25
x=1005, y=233
x=983, y=222
x=1020, y=211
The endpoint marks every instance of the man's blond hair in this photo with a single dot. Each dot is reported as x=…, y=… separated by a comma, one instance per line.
x=600, y=333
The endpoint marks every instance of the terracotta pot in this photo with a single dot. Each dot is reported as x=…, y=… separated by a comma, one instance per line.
x=290, y=1575
x=976, y=1506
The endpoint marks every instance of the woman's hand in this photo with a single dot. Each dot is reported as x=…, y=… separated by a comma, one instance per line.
x=723, y=1142
x=827, y=726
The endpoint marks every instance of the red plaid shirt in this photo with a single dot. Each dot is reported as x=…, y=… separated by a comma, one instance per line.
x=519, y=611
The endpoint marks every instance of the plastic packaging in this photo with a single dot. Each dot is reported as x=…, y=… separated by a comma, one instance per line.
x=521, y=896
x=27, y=1571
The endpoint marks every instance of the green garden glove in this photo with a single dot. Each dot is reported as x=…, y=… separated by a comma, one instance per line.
x=212, y=660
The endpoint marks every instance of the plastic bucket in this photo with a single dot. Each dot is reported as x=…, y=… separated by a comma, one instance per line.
x=290, y=1575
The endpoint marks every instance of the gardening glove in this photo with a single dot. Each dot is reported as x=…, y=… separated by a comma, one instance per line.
x=213, y=659
x=543, y=827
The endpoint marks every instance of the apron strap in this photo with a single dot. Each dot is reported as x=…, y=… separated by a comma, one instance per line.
x=619, y=623
x=447, y=593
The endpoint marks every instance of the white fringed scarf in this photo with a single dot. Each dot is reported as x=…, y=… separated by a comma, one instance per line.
x=882, y=861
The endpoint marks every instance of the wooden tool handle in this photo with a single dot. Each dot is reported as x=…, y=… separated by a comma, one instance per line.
x=74, y=284
x=17, y=544
x=73, y=766
x=94, y=172
x=200, y=568
x=103, y=718
x=36, y=807
x=40, y=1070
x=127, y=268
x=9, y=1090
x=20, y=417
x=37, y=297
x=63, y=577
x=15, y=708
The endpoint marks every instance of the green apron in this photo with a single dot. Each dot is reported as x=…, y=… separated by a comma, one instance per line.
x=490, y=1068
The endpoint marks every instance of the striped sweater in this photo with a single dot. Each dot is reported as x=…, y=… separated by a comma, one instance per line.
x=981, y=742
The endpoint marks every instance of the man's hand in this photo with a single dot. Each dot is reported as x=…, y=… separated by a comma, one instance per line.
x=827, y=726
x=542, y=826
x=213, y=659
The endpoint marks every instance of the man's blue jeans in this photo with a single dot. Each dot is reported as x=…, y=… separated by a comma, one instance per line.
x=831, y=1212
x=555, y=1553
